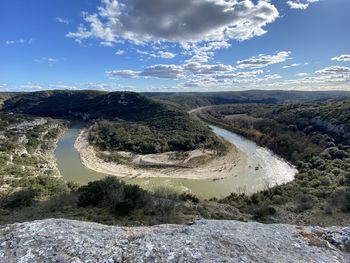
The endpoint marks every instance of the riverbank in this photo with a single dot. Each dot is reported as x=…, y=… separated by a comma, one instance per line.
x=231, y=164
x=50, y=153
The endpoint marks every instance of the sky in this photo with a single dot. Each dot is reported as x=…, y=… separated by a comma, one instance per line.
x=174, y=45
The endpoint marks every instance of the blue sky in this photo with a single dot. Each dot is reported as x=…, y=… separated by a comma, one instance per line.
x=174, y=45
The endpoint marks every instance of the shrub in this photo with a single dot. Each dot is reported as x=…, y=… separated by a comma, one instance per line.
x=113, y=193
x=45, y=186
x=73, y=186
x=189, y=197
x=346, y=205
x=60, y=201
x=128, y=198
x=336, y=153
x=304, y=202
x=164, y=203
x=92, y=194
x=264, y=211
x=165, y=192
x=19, y=199
x=278, y=199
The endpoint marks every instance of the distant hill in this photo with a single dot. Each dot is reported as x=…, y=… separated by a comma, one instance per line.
x=123, y=120
x=180, y=100
x=191, y=100
x=92, y=104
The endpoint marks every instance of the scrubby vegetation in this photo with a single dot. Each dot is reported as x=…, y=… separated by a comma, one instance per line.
x=314, y=137
x=108, y=201
x=26, y=145
x=119, y=197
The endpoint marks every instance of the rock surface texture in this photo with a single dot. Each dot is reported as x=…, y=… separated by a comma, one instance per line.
x=58, y=240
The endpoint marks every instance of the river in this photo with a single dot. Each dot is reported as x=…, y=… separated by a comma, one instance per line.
x=263, y=169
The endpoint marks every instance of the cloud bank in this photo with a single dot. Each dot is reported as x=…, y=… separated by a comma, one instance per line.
x=181, y=21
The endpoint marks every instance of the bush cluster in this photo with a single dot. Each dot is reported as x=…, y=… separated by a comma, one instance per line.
x=113, y=193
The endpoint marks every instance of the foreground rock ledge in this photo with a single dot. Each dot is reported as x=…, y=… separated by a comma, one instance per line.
x=58, y=240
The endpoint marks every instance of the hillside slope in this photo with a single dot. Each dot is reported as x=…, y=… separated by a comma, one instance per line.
x=204, y=241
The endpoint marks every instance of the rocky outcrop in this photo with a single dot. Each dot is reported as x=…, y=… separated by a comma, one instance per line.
x=58, y=240
x=339, y=130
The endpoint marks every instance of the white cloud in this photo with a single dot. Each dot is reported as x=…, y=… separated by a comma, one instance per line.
x=62, y=20
x=171, y=71
x=153, y=54
x=302, y=74
x=320, y=79
x=262, y=60
x=247, y=74
x=119, y=52
x=166, y=55
x=292, y=66
x=300, y=4
x=163, y=71
x=122, y=74
x=335, y=70
x=3, y=87
x=330, y=78
x=333, y=77
x=31, y=87
x=19, y=41
x=203, y=58
x=106, y=44
x=342, y=58
x=157, y=71
x=232, y=80
x=203, y=69
x=191, y=84
x=47, y=60
x=272, y=77
x=106, y=87
x=203, y=52
x=181, y=21
x=146, y=53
